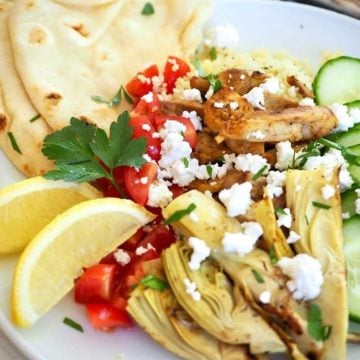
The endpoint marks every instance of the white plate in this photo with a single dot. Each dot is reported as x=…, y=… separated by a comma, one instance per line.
x=303, y=31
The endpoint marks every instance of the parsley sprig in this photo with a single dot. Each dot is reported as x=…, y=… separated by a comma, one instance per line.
x=116, y=100
x=316, y=328
x=83, y=153
x=215, y=83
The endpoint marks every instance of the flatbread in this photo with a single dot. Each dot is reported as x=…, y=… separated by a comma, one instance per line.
x=66, y=52
x=16, y=110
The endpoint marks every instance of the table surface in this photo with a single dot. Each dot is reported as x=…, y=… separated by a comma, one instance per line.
x=7, y=349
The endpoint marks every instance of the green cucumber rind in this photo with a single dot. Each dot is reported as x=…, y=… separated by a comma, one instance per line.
x=353, y=104
x=319, y=76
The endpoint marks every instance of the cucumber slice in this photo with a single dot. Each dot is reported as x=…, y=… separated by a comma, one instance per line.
x=349, y=138
x=348, y=202
x=337, y=81
x=352, y=256
x=353, y=104
x=353, y=169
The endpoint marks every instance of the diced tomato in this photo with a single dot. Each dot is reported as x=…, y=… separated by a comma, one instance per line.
x=150, y=108
x=96, y=283
x=137, y=182
x=143, y=127
x=190, y=132
x=119, y=302
x=174, y=68
x=160, y=238
x=104, y=316
x=132, y=243
x=141, y=84
x=177, y=190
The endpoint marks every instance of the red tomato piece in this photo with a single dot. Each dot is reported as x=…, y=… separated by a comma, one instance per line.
x=177, y=190
x=160, y=238
x=190, y=132
x=174, y=68
x=143, y=127
x=132, y=243
x=106, y=317
x=141, y=84
x=96, y=283
x=150, y=106
x=137, y=182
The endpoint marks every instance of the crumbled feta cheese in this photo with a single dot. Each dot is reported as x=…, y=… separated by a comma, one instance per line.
x=271, y=85
x=192, y=95
x=276, y=178
x=285, y=219
x=172, y=127
x=222, y=36
x=293, y=237
x=122, y=257
x=237, y=199
x=147, y=158
x=256, y=97
x=146, y=127
x=149, y=97
x=345, y=178
x=345, y=121
x=175, y=65
x=218, y=105
x=305, y=274
x=265, y=297
x=307, y=102
x=284, y=155
x=143, y=79
x=155, y=135
x=144, y=180
x=346, y=215
x=327, y=192
x=234, y=105
x=250, y=163
x=209, y=93
x=200, y=252
x=242, y=77
x=357, y=206
x=194, y=118
x=159, y=195
x=258, y=135
x=194, y=217
x=191, y=289
x=158, y=83
x=141, y=250
x=243, y=242
x=273, y=191
x=173, y=148
x=182, y=174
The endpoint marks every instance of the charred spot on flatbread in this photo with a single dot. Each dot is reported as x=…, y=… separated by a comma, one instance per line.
x=3, y=121
x=37, y=36
x=53, y=99
x=87, y=120
x=80, y=29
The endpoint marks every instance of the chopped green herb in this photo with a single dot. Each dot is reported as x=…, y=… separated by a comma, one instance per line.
x=73, y=324
x=259, y=173
x=154, y=282
x=316, y=328
x=272, y=255
x=216, y=84
x=220, y=160
x=321, y=205
x=280, y=211
x=307, y=220
x=148, y=9
x=83, y=152
x=178, y=215
x=116, y=100
x=258, y=276
x=213, y=53
x=186, y=162
x=36, y=117
x=14, y=144
x=209, y=170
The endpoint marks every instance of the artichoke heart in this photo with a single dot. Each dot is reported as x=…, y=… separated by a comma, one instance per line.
x=273, y=235
x=320, y=230
x=222, y=309
x=161, y=316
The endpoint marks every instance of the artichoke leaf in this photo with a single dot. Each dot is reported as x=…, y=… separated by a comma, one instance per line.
x=165, y=321
x=321, y=237
x=273, y=235
x=221, y=310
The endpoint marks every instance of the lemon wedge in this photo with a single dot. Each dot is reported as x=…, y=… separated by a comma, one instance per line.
x=27, y=206
x=74, y=240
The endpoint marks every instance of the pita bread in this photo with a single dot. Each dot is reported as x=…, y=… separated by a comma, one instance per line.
x=66, y=52
x=16, y=110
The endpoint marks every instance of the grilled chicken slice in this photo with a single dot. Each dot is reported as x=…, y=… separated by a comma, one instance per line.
x=196, y=82
x=302, y=123
x=275, y=102
x=177, y=107
x=244, y=147
x=302, y=88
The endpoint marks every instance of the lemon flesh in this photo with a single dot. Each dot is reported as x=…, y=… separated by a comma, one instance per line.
x=27, y=206
x=76, y=239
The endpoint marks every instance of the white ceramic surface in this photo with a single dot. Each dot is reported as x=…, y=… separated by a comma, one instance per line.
x=301, y=30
